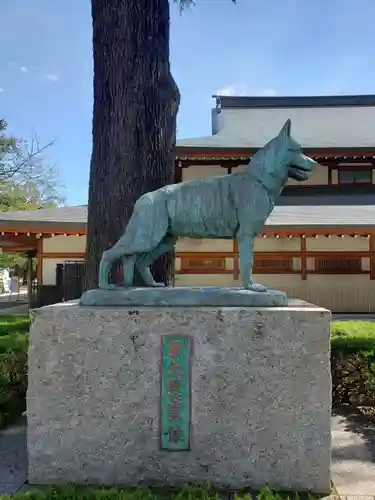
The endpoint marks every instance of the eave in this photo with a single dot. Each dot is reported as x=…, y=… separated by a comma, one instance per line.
x=191, y=153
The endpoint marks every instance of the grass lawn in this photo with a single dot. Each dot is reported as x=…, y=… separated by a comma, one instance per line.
x=188, y=493
x=10, y=323
x=13, y=332
x=353, y=335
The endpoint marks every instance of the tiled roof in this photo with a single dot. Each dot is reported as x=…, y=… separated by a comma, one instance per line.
x=323, y=216
x=292, y=212
x=62, y=217
x=324, y=211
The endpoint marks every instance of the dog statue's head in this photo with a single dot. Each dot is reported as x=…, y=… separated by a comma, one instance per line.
x=280, y=159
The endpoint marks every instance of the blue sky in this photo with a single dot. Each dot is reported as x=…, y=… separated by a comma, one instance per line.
x=268, y=47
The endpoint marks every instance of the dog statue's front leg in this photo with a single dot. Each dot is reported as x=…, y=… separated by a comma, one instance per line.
x=245, y=247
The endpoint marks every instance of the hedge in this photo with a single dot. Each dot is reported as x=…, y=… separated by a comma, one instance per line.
x=13, y=366
x=352, y=363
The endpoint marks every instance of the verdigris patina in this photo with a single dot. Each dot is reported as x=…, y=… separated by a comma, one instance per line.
x=182, y=296
x=227, y=207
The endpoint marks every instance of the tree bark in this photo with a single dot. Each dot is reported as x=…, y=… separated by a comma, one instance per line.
x=134, y=119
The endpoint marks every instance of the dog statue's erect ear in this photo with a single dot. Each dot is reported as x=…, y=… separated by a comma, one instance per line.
x=285, y=131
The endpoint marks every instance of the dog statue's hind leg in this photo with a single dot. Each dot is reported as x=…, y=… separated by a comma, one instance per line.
x=144, y=261
x=144, y=232
x=246, y=251
x=106, y=262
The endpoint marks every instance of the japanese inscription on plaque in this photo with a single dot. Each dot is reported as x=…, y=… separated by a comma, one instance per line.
x=175, y=393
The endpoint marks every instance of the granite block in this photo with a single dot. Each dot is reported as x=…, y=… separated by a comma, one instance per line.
x=261, y=396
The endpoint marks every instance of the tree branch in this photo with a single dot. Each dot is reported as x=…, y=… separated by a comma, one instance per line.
x=185, y=4
x=21, y=157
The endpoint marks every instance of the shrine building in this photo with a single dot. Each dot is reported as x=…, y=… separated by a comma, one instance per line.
x=318, y=244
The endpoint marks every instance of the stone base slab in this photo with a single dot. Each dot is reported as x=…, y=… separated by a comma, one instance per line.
x=207, y=296
x=261, y=397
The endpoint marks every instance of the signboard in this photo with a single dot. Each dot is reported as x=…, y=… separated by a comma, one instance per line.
x=175, y=404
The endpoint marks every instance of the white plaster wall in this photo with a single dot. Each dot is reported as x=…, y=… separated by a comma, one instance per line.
x=49, y=269
x=350, y=293
x=203, y=245
x=205, y=280
x=239, y=168
x=202, y=172
x=340, y=293
x=312, y=127
x=61, y=244
x=335, y=176
x=310, y=263
x=277, y=244
x=366, y=263
x=282, y=244
x=337, y=244
x=318, y=177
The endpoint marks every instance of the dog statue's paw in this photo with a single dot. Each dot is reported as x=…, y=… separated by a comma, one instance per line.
x=155, y=285
x=256, y=287
x=106, y=286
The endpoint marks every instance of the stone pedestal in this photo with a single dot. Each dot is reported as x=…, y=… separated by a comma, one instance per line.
x=260, y=396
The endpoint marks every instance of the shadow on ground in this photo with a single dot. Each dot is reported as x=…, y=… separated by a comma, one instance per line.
x=354, y=422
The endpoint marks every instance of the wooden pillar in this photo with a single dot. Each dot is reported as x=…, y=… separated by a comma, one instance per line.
x=29, y=277
x=372, y=256
x=303, y=259
x=39, y=261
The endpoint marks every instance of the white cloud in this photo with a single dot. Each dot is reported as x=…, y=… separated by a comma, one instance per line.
x=267, y=93
x=243, y=90
x=226, y=91
x=23, y=69
x=51, y=77
x=230, y=90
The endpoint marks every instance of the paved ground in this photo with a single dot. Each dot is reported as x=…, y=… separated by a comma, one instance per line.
x=353, y=454
x=14, y=308
x=353, y=317
x=13, y=458
x=353, y=457
x=18, y=304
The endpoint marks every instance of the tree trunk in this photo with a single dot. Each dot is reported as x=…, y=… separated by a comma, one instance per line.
x=134, y=119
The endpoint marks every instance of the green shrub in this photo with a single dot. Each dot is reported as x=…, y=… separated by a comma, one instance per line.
x=13, y=367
